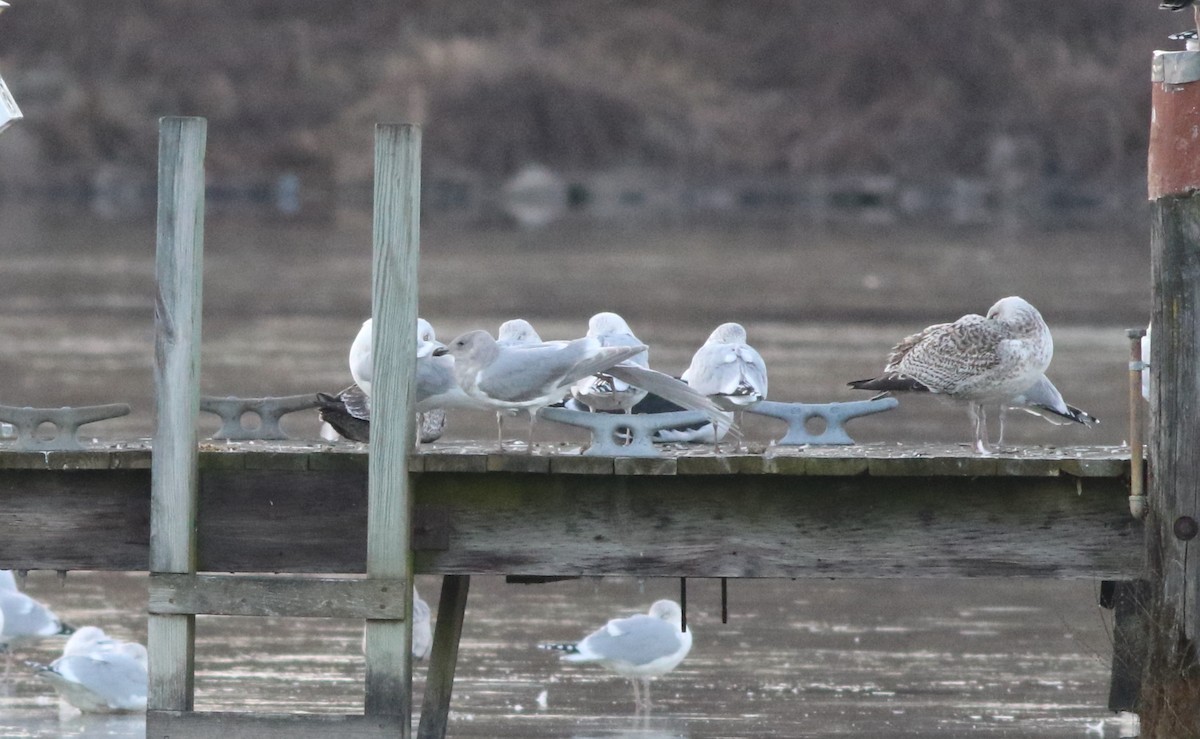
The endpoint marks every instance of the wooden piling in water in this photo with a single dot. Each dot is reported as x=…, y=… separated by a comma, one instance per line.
x=174, y=472
x=389, y=491
x=1170, y=699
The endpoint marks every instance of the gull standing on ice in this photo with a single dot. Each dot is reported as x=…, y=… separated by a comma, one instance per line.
x=602, y=391
x=422, y=629
x=639, y=648
x=25, y=619
x=98, y=674
x=981, y=360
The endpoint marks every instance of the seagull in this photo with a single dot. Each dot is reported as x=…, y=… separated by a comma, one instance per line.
x=422, y=629
x=98, y=674
x=349, y=412
x=25, y=619
x=981, y=360
x=639, y=648
x=517, y=332
x=1043, y=399
x=531, y=377
x=728, y=370
x=604, y=392
x=1181, y=5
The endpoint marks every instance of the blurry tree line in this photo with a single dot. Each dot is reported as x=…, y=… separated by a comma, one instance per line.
x=917, y=88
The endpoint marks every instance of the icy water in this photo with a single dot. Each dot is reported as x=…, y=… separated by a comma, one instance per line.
x=797, y=658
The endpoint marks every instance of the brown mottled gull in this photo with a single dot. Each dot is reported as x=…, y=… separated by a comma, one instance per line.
x=982, y=360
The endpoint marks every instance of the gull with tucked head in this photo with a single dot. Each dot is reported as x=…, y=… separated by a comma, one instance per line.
x=979, y=360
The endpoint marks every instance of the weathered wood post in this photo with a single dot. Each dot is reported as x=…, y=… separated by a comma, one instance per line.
x=1170, y=701
x=397, y=205
x=174, y=477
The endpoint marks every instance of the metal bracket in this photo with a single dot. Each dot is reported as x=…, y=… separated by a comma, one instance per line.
x=605, y=426
x=268, y=410
x=66, y=422
x=834, y=414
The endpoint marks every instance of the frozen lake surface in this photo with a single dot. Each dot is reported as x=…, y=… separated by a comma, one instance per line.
x=797, y=658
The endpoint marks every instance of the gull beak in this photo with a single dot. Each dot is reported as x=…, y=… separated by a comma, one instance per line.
x=441, y=351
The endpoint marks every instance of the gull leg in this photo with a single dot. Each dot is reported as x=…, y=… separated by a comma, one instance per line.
x=646, y=694
x=637, y=695
x=980, y=418
x=1000, y=439
x=532, y=418
x=500, y=427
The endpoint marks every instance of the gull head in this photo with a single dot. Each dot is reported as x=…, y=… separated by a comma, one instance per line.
x=518, y=331
x=426, y=338
x=728, y=333
x=1014, y=311
x=667, y=610
x=605, y=324
x=477, y=345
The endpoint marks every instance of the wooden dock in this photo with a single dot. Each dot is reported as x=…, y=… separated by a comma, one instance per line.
x=865, y=511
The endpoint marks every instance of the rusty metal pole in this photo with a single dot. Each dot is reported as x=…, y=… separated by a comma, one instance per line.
x=1170, y=697
x=1137, y=470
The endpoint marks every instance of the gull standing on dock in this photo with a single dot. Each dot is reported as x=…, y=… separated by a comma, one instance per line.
x=514, y=332
x=98, y=674
x=728, y=370
x=638, y=648
x=349, y=412
x=602, y=391
x=529, y=378
x=1043, y=399
x=980, y=360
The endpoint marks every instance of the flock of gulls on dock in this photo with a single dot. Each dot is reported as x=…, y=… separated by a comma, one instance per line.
x=997, y=361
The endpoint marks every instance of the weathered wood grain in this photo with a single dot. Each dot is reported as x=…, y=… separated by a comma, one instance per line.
x=174, y=478
x=89, y=519
x=397, y=211
x=439, y=682
x=244, y=595
x=1029, y=520
x=214, y=725
x=1170, y=699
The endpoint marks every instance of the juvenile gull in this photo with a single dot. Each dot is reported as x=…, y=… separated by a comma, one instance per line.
x=98, y=674
x=980, y=360
x=602, y=391
x=639, y=648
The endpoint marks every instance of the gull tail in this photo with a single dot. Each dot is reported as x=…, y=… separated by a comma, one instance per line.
x=568, y=648
x=889, y=383
x=676, y=391
x=1060, y=416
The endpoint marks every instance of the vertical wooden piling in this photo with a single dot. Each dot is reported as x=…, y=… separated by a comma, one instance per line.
x=1170, y=701
x=174, y=477
x=394, y=298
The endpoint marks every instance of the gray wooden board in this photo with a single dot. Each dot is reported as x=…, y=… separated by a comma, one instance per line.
x=214, y=725
x=760, y=525
x=244, y=595
x=88, y=519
